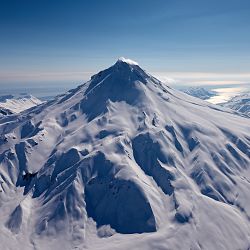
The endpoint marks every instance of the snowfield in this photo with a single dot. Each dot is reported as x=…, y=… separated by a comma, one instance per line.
x=125, y=162
x=10, y=104
x=240, y=103
x=199, y=92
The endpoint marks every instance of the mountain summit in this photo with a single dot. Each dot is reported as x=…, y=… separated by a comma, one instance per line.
x=124, y=161
x=126, y=60
x=124, y=81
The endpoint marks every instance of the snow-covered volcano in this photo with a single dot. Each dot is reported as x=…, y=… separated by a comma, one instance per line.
x=125, y=162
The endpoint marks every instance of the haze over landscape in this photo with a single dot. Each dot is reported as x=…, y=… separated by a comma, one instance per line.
x=125, y=125
x=44, y=42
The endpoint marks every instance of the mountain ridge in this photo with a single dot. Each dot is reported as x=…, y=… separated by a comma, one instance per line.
x=13, y=104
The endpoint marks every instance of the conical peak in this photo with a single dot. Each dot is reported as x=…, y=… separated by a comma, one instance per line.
x=123, y=68
x=125, y=64
x=121, y=82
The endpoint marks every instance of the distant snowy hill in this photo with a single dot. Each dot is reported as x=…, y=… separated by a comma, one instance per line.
x=10, y=104
x=125, y=162
x=199, y=92
x=239, y=103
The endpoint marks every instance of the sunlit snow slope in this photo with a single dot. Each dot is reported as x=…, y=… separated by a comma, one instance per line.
x=125, y=162
x=10, y=104
x=199, y=92
x=240, y=103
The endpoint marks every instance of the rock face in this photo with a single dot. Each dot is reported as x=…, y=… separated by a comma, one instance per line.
x=125, y=154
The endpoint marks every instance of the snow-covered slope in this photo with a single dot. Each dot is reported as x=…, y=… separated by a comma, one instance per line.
x=239, y=103
x=199, y=92
x=125, y=162
x=10, y=104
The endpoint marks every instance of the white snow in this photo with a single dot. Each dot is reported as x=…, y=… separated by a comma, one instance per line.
x=125, y=162
x=126, y=60
x=240, y=103
x=18, y=103
x=199, y=92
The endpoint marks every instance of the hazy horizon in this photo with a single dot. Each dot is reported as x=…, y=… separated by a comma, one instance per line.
x=185, y=42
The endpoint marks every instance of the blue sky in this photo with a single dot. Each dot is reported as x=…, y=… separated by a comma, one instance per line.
x=192, y=41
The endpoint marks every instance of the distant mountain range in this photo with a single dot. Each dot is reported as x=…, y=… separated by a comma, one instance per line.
x=13, y=104
x=199, y=92
x=240, y=103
